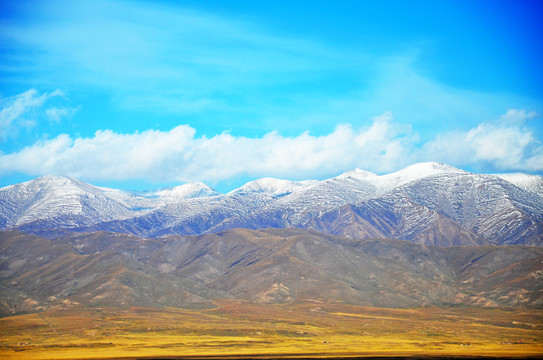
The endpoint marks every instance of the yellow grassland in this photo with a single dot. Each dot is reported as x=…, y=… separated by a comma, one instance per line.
x=239, y=328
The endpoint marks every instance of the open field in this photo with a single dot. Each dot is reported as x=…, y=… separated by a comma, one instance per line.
x=310, y=329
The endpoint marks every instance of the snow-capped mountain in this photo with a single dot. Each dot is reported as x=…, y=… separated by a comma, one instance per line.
x=444, y=209
x=413, y=173
x=181, y=192
x=428, y=203
x=531, y=183
x=62, y=201
x=274, y=187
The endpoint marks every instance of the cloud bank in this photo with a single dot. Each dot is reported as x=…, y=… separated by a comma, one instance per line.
x=181, y=155
x=506, y=144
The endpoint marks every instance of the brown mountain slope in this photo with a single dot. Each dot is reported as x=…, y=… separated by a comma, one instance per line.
x=266, y=266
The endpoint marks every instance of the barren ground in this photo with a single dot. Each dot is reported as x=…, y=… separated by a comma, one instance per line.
x=238, y=329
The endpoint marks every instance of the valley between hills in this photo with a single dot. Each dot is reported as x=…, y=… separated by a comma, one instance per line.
x=428, y=261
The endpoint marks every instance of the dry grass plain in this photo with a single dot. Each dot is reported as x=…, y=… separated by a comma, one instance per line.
x=237, y=328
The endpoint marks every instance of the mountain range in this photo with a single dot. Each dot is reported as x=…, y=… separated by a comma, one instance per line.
x=102, y=269
x=427, y=235
x=426, y=203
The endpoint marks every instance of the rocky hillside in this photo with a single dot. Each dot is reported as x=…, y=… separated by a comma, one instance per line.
x=262, y=266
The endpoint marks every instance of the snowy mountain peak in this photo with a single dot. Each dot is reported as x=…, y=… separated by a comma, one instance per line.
x=421, y=170
x=52, y=180
x=424, y=169
x=59, y=185
x=425, y=201
x=272, y=186
x=388, y=182
x=531, y=183
x=356, y=174
x=185, y=191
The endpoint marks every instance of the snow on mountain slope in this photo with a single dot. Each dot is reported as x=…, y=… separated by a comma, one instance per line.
x=448, y=208
x=356, y=174
x=188, y=216
x=411, y=173
x=64, y=201
x=430, y=203
x=299, y=207
x=274, y=187
x=57, y=201
x=531, y=183
x=383, y=218
x=296, y=208
x=486, y=205
x=181, y=192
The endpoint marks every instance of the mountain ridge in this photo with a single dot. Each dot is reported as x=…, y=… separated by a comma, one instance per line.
x=260, y=266
x=428, y=203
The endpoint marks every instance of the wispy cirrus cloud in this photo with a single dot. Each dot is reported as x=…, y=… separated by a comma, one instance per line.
x=57, y=114
x=167, y=55
x=25, y=109
x=181, y=155
x=221, y=71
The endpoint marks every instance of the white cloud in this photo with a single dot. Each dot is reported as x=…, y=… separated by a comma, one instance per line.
x=56, y=114
x=504, y=144
x=180, y=155
x=17, y=111
x=517, y=116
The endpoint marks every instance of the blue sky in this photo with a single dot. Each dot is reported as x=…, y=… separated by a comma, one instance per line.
x=137, y=94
